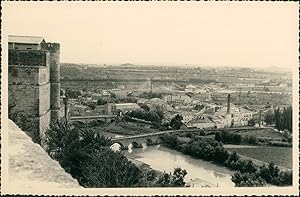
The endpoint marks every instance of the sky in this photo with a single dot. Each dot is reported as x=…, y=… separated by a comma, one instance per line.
x=259, y=34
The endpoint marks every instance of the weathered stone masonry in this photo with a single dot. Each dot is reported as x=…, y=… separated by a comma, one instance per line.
x=34, y=84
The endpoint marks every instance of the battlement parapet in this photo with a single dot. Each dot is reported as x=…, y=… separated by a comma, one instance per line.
x=51, y=47
x=28, y=57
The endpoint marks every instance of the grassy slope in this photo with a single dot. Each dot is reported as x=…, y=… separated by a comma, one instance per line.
x=281, y=156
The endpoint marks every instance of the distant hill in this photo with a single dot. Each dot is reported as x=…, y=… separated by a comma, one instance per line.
x=127, y=65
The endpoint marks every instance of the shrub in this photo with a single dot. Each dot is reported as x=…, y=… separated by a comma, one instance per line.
x=281, y=144
x=228, y=138
x=250, y=139
x=247, y=180
x=285, y=177
x=172, y=180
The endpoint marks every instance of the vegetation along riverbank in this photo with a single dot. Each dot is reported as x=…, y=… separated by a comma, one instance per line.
x=87, y=156
x=248, y=173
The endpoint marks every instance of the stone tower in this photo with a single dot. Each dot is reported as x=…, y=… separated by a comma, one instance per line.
x=33, y=84
x=54, y=49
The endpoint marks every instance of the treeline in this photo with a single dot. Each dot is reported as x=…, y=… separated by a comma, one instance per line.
x=101, y=101
x=281, y=118
x=151, y=95
x=236, y=138
x=248, y=173
x=153, y=116
x=87, y=156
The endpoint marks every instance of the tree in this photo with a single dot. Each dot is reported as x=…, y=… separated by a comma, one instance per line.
x=160, y=113
x=100, y=101
x=86, y=155
x=178, y=177
x=145, y=107
x=251, y=122
x=114, y=170
x=277, y=118
x=113, y=95
x=176, y=123
x=73, y=93
x=199, y=107
x=153, y=116
x=288, y=118
x=283, y=119
x=269, y=117
x=91, y=105
x=247, y=180
x=172, y=180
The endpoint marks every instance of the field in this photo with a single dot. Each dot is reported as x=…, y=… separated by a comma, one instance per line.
x=281, y=156
x=124, y=128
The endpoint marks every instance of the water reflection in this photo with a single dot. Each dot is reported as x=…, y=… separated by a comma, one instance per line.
x=198, y=170
x=144, y=146
x=130, y=147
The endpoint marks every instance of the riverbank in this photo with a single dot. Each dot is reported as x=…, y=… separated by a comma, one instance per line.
x=248, y=173
x=200, y=173
x=281, y=156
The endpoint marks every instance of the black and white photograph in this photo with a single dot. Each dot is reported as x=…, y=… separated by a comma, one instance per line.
x=150, y=98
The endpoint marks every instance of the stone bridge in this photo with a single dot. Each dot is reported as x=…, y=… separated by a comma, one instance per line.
x=154, y=138
x=138, y=140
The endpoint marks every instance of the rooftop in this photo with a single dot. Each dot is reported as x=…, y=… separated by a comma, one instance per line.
x=200, y=120
x=25, y=39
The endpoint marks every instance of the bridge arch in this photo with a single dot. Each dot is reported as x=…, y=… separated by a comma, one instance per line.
x=121, y=145
x=149, y=141
x=136, y=144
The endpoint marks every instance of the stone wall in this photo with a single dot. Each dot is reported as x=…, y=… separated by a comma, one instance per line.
x=28, y=75
x=54, y=49
x=34, y=87
x=27, y=57
x=30, y=168
x=29, y=92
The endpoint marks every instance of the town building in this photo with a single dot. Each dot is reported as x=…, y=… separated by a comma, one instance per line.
x=105, y=96
x=119, y=93
x=238, y=115
x=155, y=104
x=115, y=108
x=201, y=122
x=177, y=99
x=220, y=121
x=78, y=110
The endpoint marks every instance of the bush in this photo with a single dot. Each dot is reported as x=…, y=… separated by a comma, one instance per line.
x=280, y=144
x=172, y=180
x=170, y=140
x=27, y=123
x=198, y=147
x=228, y=137
x=285, y=177
x=250, y=139
x=247, y=180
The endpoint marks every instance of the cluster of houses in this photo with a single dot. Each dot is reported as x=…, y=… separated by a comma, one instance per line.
x=206, y=116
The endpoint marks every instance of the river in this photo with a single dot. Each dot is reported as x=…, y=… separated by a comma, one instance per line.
x=164, y=159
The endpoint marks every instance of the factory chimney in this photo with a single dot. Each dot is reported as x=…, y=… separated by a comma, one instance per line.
x=228, y=104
